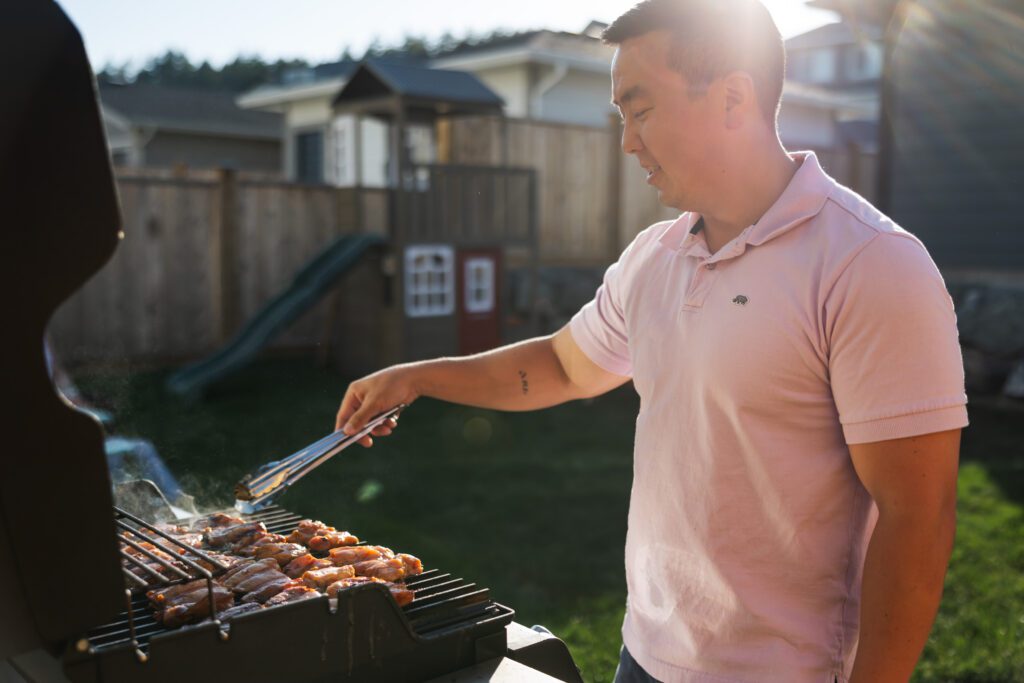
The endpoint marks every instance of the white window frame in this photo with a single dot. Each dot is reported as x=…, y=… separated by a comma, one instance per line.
x=484, y=267
x=429, y=280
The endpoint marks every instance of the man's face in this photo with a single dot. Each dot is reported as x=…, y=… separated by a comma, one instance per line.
x=672, y=133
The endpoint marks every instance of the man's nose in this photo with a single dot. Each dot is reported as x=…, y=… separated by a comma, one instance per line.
x=631, y=143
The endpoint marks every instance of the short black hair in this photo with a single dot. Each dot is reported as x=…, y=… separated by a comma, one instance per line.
x=710, y=38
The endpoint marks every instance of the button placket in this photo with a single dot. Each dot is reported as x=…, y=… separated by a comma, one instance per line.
x=702, y=282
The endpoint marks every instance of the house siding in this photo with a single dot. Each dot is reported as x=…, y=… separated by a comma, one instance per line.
x=580, y=97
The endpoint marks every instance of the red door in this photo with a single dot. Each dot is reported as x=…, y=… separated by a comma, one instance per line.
x=477, y=287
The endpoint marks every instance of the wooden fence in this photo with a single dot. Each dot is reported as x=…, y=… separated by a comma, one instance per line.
x=201, y=253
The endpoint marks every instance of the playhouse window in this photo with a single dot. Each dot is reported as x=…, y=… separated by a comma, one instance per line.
x=429, y=281
x=479, y=285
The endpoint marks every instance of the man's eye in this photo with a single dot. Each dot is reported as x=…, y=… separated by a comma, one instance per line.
x=642, y=114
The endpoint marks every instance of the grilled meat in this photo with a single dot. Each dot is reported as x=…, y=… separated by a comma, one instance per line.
x=248, y=571
x=221, y=536
x=265, y=568
x=194, y=605
x=292, y=594
x=303, y=563
x=331, y=539
x=160, y=596
x=403, y=596
x=388, y=570
x=307, y=529
x=217, y=520
x=249, y=543
x=359, y=553
x=412, y=565
x=268, y=589
x=321, y=578
x=282, y=552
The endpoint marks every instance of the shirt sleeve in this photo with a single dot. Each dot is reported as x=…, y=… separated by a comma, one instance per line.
x=599, y=328
x=894, y=355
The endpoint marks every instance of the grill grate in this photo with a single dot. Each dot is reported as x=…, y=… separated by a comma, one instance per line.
x=442, y=602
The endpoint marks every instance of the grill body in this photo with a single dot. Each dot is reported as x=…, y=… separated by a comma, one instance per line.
x=450, y=625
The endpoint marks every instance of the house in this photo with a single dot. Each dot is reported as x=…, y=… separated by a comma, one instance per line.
x=543, y=75
x=158, y=126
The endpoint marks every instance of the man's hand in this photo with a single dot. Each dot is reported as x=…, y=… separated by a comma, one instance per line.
x=913, y=482
x=372, y=395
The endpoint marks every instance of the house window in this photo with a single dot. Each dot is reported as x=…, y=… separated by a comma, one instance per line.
x=309, y=157
x=479, y=285
x=429, y=281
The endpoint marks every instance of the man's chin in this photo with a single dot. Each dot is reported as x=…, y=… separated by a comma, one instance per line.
x=671, y=201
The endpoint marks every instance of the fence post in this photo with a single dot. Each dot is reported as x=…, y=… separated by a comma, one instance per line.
x=225, y=285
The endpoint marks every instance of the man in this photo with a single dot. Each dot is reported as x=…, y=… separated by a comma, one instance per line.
x=801, y=384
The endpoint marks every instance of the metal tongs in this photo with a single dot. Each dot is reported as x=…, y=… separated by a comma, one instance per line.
x=256, y=491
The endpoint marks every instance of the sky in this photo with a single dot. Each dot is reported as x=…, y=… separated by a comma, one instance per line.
x=130, y=32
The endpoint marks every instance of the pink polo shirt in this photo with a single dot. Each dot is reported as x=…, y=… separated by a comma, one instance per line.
x=822, y=325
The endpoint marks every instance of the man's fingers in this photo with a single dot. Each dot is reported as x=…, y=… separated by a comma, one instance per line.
x=359, y=419
x=349, y=405
x=366, y=441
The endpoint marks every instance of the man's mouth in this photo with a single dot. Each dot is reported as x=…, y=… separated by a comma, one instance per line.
x=651, y=170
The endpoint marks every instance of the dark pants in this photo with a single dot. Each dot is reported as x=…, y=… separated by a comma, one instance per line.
x=631, y=672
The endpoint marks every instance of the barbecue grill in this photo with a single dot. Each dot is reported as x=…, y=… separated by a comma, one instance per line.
x=72, y=581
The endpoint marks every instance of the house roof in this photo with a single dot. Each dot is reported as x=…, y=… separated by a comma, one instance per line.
x=194, y=111
x=831, y=35
x=376, y=77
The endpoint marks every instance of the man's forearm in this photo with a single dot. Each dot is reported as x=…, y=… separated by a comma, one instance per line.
x=523, y=376
x=903, y=576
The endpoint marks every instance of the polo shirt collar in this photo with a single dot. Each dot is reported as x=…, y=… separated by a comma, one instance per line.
x=803, y=198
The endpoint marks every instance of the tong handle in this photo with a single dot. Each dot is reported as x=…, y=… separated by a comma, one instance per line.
x=255, y=490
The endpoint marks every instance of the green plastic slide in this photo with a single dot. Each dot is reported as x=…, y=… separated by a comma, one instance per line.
x=310, y=284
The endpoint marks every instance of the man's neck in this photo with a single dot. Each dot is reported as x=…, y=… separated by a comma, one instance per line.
x=751, y=189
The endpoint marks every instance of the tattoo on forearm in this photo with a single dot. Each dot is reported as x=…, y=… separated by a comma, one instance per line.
x=522, y=380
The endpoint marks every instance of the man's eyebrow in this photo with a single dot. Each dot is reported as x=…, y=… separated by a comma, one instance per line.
x=630, y=94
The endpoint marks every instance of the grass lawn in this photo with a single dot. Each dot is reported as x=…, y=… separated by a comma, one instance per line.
x=533, y=505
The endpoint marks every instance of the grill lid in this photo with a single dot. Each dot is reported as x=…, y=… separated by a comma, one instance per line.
x=61, y=222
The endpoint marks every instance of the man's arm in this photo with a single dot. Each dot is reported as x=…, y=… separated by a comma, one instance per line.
x=913, y=482
x=536, y=373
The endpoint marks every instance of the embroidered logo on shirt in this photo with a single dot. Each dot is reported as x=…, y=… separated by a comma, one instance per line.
x=740, y=299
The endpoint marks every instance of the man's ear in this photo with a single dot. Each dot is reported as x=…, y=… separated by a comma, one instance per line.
x=740, y=99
